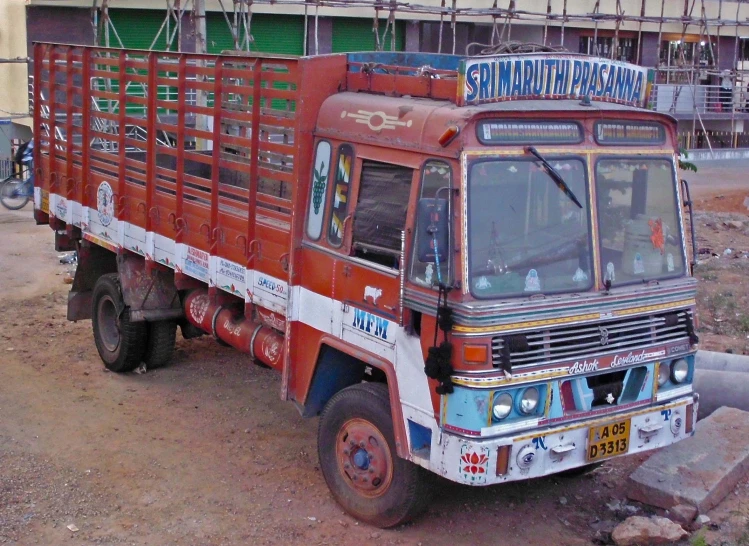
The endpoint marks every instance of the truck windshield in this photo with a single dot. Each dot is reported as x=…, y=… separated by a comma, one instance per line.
x=639, y=220
x=526, y=235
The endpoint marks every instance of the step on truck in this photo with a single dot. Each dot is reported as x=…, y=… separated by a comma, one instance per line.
x=470, y=266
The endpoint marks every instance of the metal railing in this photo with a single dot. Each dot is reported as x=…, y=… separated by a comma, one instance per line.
x=703, y=140
x=702, y=99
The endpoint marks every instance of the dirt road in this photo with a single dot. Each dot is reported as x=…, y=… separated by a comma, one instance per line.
x=203, y=452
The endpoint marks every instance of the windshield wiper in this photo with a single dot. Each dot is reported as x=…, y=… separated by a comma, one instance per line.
x=555, y=176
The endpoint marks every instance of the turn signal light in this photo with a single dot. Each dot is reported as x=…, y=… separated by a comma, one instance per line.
x=449, y=135
x=476, y=354
x=503, y=459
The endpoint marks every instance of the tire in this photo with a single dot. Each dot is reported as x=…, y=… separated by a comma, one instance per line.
x=120, y=342
x=160, y=346
x=8, y=190
x=362, y=411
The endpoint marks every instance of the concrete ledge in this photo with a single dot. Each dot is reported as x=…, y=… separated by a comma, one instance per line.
x=718, y=154
x=721, y=379
x=721, y=362
x=699, y=471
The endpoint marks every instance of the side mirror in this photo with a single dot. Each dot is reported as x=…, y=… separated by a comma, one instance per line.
x=432, y=230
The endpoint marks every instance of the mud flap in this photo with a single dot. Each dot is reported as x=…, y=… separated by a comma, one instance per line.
x=149, y=295
x=65, y=242
x=93, y=262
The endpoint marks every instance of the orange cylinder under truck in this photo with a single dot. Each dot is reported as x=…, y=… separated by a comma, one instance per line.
x=471, y=266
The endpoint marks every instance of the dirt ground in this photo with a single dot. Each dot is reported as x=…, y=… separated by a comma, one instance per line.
x=203, y=452
x=721, y=201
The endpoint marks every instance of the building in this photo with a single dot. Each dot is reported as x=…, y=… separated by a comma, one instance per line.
x=14, y=108
x=695, y=47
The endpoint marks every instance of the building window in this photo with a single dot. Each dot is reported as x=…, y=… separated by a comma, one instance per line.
x=602, y=46
x=677, y=55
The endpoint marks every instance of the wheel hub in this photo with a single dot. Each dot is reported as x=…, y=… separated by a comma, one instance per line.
x=364, y=457
x=109, y=324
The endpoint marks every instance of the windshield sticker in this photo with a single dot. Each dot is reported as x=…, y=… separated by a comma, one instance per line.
x=656, y=234
x=580, y=276
x=610, y=272
x=639, y=265
x=513, y=169
x=483, y=283
x=428, y=274
x=532, y=282
x=670, y=262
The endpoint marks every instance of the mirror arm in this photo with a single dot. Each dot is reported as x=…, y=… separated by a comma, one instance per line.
x=346, y=221
x=453, y=192
x=688, y=204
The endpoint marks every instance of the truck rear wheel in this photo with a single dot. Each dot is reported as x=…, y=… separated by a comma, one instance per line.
x=120, y=342
x=356, y=446
x=160, y=347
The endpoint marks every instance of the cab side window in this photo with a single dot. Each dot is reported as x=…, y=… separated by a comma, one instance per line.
x=340, y=197
x=380, y=215
x=436, y=175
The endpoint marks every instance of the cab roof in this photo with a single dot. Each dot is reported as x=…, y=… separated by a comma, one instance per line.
x=417, y=123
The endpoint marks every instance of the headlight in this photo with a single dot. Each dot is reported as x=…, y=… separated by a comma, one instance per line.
x=663, y=373
x=679, y=371
x=502, y=406
x=529, y=400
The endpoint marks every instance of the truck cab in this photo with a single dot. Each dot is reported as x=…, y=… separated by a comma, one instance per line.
x=550, y=230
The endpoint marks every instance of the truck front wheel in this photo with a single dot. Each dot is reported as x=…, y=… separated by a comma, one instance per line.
x=356, y=446
x=120, y=342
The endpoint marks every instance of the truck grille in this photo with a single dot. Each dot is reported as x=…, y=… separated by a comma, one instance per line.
x=588, y=340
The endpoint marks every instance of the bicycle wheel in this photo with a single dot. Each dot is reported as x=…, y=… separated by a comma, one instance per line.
x=13, y=193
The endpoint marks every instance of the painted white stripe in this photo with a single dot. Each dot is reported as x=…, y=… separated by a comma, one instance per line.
x=673, y=393
x=513, y=427
x=320, y=312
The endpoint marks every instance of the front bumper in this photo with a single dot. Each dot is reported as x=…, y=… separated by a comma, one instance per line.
x=474, y=462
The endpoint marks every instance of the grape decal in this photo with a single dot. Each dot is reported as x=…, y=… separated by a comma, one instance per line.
x=318, y=188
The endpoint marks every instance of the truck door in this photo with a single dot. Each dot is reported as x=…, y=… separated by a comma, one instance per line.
x=349, y=285
x=368, y=278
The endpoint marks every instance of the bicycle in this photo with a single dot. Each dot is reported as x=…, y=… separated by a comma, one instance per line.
x=16, y=190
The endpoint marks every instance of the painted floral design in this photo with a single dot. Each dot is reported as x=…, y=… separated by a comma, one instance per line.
x=232, y=289
x=474, y=463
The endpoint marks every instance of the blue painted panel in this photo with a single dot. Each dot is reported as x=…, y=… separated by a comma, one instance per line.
x=420, y=436
x=637, y=386
x=468, y=409
x=415, y=60
x=335, y=371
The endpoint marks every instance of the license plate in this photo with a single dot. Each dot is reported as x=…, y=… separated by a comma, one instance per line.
x=608, y=440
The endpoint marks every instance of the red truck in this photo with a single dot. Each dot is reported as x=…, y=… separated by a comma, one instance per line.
x=472, y=266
